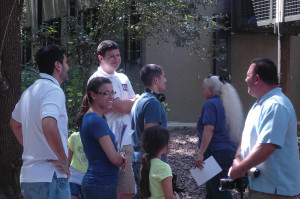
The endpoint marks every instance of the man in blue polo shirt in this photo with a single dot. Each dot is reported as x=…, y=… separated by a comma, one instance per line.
x=269, y=140
x=146, y=112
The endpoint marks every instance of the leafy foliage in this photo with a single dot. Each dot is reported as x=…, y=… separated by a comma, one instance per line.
x=179, y=21
x=29, y=74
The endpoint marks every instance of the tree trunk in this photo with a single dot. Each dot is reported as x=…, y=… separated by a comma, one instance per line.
x=10, y=90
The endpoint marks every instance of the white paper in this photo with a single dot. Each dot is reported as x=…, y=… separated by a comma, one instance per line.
x=211, y=168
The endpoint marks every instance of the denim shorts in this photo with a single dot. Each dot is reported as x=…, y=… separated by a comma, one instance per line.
x=75, y=189
x=101, y=191
x=57, y=189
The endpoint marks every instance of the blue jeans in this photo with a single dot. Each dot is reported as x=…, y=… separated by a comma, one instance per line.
x=58, y=189
x=224, y=159
x=136, y=166
x=99, y=191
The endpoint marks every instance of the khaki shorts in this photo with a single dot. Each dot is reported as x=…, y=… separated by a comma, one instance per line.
x=260, y=195
x=126, y=179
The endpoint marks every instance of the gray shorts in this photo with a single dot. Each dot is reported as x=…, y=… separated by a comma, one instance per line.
x=126, y=179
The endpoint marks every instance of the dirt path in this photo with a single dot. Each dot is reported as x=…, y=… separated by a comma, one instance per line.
x=181, y=158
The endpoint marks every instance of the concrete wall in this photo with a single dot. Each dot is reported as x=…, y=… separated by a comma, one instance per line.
x=247, y=47
x=184, y=72
x=184, y=75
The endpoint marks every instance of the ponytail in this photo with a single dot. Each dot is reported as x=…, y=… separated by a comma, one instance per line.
x=234, y=116
x=85, y=105
x=145, y=171
x=232, y=104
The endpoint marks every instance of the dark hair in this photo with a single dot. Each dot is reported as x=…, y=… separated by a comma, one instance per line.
x=93, y=85
x=105, y=46
x=153, y=141
x=150, y=71
x=47, y=56
x=266, y=69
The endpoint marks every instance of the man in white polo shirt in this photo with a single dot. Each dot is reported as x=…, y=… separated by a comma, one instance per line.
x=40, y=124
x=119, y=118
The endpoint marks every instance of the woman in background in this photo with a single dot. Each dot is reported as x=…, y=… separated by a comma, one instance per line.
x=220, y=128
x=101, y=178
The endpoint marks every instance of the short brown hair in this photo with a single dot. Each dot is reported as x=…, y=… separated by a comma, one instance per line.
x=105, y=46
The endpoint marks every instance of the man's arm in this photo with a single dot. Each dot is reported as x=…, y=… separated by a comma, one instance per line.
x=51, y=132
x=124, y=106
x=238, y=156
x=206, y=138
x=259, y=154
x=17, y=130
x=53, y=138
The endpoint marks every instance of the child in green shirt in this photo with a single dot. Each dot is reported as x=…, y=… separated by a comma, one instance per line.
x=156, y=175
x=78, y=164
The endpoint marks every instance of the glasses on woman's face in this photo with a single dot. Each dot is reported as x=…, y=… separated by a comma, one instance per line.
x=106, y=93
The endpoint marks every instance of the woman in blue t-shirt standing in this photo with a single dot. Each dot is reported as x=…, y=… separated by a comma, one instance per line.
x=101, y=178
x=219, y=126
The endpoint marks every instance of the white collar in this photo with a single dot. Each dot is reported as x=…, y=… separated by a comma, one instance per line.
x=46, y=76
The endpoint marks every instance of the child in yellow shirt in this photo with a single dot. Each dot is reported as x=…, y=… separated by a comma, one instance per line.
x=78, y=164
x=156, y=175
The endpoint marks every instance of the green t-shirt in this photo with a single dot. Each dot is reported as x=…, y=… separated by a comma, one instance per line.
x=159, y=170
x=79, y=161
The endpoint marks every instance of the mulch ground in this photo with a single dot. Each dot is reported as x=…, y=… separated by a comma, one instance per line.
x=183, y=149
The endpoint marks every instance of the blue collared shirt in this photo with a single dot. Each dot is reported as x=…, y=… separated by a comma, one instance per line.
x=272, y=120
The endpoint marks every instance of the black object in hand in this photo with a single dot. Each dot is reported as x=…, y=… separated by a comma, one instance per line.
x=174, y=184
x=240, y=184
